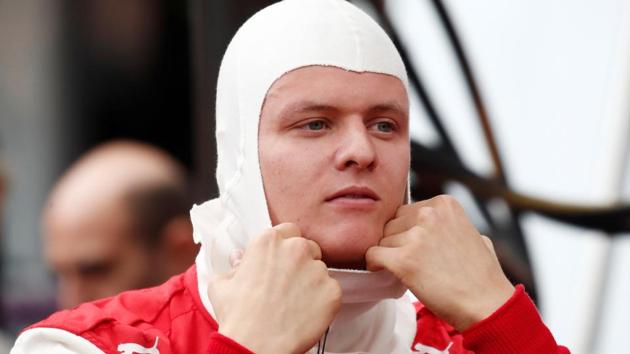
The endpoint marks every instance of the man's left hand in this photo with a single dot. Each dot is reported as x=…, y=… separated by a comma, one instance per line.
x=433, y=248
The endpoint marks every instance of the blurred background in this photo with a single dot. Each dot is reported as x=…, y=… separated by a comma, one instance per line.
x=520, y=109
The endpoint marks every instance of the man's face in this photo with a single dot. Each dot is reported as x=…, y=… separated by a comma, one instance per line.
x=334, y=157
x=94, y=253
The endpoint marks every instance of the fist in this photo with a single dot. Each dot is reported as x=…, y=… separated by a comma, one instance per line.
x=433, y=248
x=279, y=297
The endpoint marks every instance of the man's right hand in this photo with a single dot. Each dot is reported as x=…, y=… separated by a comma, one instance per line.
x=279, y=298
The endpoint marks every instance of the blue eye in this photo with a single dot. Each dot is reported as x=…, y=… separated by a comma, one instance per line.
x=315, y=125
x=385, y=127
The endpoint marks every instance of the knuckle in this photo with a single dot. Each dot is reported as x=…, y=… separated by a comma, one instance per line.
x=321, y=268
x=416, y=230
x=298, y=247
x=293, y=229
x=312, y=243
x=448, y=201
x=444, y=199
x=369, y=254
x=287, y=229
x=266, y=237
x=314, y=247
x=426, y=214
x=335, y=290
x=416, y=239
x=487, y=240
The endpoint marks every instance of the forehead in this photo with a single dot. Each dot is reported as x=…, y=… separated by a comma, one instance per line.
x=327, y=87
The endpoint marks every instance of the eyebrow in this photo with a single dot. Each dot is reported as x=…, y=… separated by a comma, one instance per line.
x=304, y=107
x=391, y=106
x=311, y=106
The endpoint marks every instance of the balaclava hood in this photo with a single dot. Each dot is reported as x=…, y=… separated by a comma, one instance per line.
x=375, y=317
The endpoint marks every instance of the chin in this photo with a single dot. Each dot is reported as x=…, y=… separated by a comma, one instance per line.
x=346, y=248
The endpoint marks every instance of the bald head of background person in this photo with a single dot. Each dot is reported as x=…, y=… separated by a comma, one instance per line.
x=117, y=220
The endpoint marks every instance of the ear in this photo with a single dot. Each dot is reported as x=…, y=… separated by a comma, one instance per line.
x=177, y=233
x=177, y=246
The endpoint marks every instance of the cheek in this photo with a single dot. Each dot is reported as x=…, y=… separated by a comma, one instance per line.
x=288, y=180
x=396, y=168
x=278, y=173
x=290, y=163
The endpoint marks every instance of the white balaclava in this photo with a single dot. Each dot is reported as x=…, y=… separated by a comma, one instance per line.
x=375, y=316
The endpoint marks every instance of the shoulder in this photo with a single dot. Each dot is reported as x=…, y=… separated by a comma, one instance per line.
x=130, y=307
x=141, y=317
x=53, y=340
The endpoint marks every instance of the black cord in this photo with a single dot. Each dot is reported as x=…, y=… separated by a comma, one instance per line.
x=321, y=347
x=325, y=338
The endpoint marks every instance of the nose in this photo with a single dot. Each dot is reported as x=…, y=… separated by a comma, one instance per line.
x=355, y=149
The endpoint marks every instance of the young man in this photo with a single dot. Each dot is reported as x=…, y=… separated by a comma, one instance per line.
x=312, y=242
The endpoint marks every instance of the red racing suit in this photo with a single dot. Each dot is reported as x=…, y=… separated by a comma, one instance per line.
x=172, y=319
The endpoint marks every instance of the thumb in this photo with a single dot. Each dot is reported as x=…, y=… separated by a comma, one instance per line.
x=379, y=258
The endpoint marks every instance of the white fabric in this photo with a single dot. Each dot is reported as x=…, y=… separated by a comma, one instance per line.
x=52, y=341
x=375, y=317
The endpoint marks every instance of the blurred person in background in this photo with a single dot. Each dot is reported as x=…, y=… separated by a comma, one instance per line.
x=117, y=220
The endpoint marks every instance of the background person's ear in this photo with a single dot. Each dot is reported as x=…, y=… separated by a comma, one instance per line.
x=177, y=248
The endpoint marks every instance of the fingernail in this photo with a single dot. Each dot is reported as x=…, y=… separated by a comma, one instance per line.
x=235, y=257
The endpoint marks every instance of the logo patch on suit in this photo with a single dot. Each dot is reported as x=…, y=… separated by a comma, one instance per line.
x=425, y=349
x=133, y=348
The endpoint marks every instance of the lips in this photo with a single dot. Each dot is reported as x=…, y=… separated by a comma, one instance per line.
x=354, y=193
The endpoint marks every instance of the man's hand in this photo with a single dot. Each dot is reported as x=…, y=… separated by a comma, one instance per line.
x=432, y=247
x=279, y=298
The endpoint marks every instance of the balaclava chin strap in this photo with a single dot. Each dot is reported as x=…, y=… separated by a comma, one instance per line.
x=375, y=317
